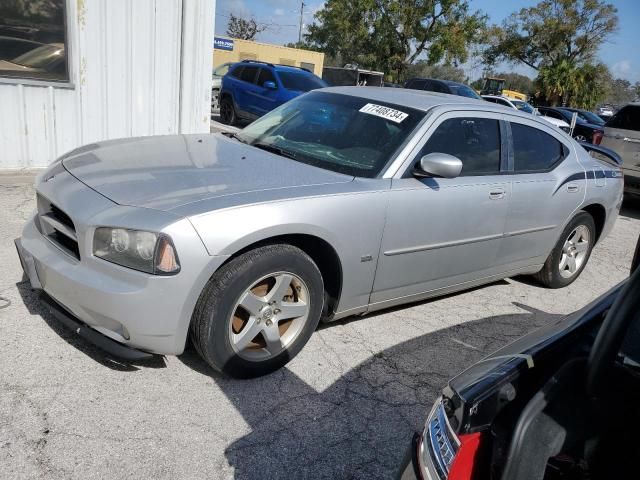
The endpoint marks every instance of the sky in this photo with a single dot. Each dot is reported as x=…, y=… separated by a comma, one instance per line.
x=620, y=53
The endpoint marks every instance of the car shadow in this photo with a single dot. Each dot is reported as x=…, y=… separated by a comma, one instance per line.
x=31, y=299
x=631, y=207
x=361, y=424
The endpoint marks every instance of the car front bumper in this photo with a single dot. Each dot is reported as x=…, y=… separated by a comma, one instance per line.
x=135, y=309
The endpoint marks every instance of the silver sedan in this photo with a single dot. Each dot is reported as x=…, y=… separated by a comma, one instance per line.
x=340, y=202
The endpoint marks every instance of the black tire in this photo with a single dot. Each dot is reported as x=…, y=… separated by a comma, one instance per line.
x=550, y=275
x=212, y=315
x=228, y=113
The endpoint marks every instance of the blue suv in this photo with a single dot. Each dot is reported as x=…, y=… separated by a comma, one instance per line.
x=250, y=89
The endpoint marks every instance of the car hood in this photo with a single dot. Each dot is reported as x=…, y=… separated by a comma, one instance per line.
x=170, y=171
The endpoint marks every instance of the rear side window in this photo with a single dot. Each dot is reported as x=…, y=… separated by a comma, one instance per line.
x=416, y=84
x=300, y=82
x=436, y=87
x=249, y=74
x=266, y=76
x=475, y=141
x=628, y=118
x=535, y=150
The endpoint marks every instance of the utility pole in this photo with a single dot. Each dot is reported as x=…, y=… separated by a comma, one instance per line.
x=300, y=29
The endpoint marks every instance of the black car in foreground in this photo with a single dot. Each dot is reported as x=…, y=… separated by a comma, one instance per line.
x=589, y=128
x=560, y=403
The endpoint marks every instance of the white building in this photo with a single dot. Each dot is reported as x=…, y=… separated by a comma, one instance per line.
x=73, y=72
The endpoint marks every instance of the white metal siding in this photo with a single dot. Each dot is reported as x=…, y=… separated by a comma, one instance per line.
x=139, y=67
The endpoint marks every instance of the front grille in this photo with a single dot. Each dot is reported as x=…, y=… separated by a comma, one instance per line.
x=58, y=227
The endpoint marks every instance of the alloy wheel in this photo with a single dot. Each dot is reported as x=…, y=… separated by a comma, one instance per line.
x=269, y=316
x=574, y=251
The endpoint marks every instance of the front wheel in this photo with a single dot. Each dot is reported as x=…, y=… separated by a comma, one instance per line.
x=258, y=311
x=570, y=255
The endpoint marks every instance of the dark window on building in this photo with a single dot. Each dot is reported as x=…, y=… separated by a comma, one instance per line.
x=33, y=40
x=475, y=141
x=309, y=66
x=266, y=76
x=534, y=150
x=249, y=74
x=628, y=118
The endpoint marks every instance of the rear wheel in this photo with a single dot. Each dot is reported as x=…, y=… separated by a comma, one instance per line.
x=570, y=255
x=258, y=311
x=228, y=112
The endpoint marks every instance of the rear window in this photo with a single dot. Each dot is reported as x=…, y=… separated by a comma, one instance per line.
x=535, y=150
x=464, y=91
x=628, y=118
x=300, y=82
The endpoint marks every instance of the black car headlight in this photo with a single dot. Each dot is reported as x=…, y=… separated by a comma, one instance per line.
x=148, y=252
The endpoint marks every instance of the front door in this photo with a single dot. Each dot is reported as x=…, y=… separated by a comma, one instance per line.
x=264, y=99
x=445, y=232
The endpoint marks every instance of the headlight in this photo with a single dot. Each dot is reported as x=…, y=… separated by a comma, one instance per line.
x=144, y=251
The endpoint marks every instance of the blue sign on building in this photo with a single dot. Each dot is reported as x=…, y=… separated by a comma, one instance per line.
x=223, y=43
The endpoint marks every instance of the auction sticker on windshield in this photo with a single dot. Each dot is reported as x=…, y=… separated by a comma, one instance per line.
x=384, y=112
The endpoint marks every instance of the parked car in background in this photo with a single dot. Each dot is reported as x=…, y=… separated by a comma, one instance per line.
x=337, y=203
x=622, y=134
x=605, y=112
x=216, y=84
x=11, y=47
x=523, y=106
x=583, y=131
x=559, y=403
x=442, y=86
x=47, y=60
x=250, y=89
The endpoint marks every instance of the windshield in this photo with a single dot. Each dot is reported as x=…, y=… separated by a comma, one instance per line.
x=522, y=106
x=300, y=82
x=41, y=57
x=342, y=133
x=464, y=91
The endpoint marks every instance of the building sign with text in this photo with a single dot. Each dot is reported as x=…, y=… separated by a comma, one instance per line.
x=223, y=43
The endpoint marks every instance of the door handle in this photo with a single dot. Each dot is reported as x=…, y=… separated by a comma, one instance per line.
x=496, y=194
x=572, y=188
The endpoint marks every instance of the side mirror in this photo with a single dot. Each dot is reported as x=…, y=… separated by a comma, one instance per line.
x=438, y=165
x=270, y=85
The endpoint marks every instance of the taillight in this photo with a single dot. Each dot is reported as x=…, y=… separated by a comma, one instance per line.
x=464, y=461
x=442, y=454
x=597, y=137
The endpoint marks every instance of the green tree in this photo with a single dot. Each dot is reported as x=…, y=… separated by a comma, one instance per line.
x=244, y=29
x=621, y=92
x=553, y=32
x=444, y=72
x=389, y=35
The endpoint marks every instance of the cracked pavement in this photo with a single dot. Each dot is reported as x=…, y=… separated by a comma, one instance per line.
x=346, y=407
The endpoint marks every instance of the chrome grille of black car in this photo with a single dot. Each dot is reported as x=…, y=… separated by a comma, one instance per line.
x=58, y=227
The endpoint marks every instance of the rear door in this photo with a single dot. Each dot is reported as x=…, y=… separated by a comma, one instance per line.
x=622, y=135
x=548, y=185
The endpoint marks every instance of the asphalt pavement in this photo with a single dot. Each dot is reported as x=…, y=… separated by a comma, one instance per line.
x=345, y=407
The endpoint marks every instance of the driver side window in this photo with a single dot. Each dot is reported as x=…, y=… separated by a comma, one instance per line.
x=475, y=141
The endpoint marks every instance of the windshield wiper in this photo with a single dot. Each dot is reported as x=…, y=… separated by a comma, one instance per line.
x=234, y=136
x=273, y=149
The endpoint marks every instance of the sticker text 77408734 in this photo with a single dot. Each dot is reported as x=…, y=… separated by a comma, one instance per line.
x=385, y=112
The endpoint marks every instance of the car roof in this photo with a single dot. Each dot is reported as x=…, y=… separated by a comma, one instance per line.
x=287, y=68
x=425, y=100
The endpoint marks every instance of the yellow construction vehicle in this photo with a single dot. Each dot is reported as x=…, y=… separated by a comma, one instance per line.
x=495, y=86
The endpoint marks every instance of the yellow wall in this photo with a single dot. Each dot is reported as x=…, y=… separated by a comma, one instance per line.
x=247, y=50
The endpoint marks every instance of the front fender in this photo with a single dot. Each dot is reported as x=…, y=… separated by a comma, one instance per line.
x=351, y=223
